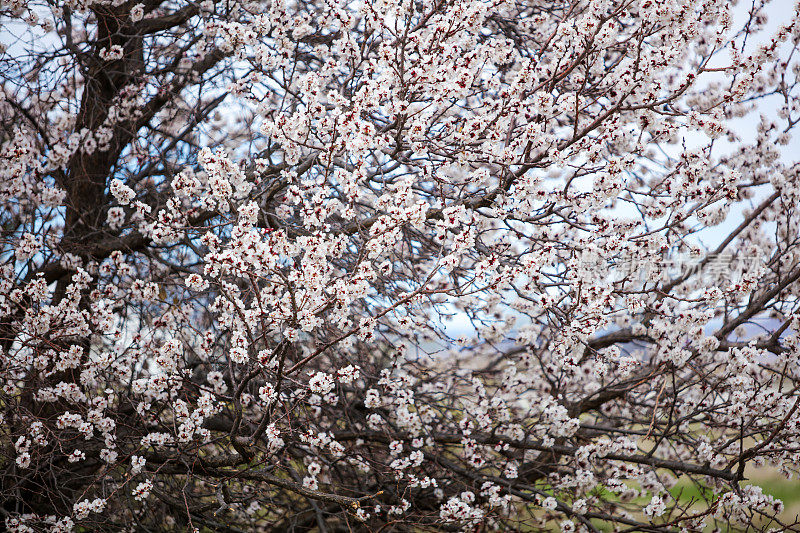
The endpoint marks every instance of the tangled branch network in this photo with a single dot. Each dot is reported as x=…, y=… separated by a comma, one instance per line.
x=399, y=265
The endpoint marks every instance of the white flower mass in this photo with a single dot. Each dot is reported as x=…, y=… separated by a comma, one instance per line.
x=399, y=265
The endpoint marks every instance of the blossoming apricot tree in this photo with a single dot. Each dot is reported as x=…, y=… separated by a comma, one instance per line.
x=296, y=265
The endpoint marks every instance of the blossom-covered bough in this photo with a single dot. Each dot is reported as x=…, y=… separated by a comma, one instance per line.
x=398, y=265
